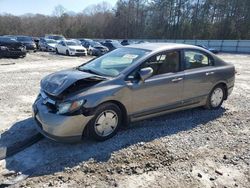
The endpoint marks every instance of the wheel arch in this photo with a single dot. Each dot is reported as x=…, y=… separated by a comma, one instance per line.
x=122, y=108
x=125, y=119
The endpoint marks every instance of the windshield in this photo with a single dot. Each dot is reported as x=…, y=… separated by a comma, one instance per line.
x=113, y=63
x=24, y=39
x=71, y=43
x=95, y=43
x=51, y=41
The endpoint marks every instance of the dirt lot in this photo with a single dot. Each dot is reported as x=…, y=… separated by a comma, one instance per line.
x=192, y=148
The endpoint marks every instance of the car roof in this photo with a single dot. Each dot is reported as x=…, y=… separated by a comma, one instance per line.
x=161, y=46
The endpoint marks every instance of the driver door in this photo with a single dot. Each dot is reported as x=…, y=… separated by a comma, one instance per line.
x=163, y=90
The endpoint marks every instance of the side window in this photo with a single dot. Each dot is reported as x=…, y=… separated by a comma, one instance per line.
x=165, y=62
x=196, y=59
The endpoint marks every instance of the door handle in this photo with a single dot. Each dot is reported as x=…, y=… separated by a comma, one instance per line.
x=177, y=79
x=209, y=73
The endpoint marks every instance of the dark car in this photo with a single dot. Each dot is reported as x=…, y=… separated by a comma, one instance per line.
x=27, y=42
x=130, y=84
x=86, y=42
x=97, y=49
x=48, y=45
x=112, y=44
x=213, y=50
x=11, y=48
x=125, y=42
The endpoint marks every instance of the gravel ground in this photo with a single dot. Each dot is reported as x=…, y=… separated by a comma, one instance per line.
x=192, y=148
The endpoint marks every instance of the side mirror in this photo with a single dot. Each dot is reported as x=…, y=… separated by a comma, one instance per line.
x=145, y=73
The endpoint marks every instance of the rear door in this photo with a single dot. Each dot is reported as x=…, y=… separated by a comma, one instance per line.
x=199, y=75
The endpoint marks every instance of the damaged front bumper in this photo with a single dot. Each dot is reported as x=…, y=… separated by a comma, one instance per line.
x=62, y=128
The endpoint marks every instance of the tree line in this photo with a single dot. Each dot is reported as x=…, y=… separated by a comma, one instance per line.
x=151, y=19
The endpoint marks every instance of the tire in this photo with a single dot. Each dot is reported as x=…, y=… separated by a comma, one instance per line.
x=102, y=129
x=67, y=52
x=216, y=97
x=57, y=51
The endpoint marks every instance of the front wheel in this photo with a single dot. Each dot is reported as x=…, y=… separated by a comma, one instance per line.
x=67, y=52
x=216, y=97
x=106, y=122
x=57, y=51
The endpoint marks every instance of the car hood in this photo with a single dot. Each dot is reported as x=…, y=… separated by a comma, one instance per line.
x=52, y=45
x=28, y=43
x=100, y=47
x=13, y=44
x=77, y=47
x=68, y=81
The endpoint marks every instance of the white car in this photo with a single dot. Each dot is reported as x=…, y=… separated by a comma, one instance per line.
x=70, y=48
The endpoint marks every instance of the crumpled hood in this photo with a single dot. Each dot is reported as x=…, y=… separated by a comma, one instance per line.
x=55, y=83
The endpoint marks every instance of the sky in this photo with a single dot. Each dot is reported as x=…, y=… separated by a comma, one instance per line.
x=20, y=7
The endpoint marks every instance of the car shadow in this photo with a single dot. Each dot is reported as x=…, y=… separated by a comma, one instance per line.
x=48, y=157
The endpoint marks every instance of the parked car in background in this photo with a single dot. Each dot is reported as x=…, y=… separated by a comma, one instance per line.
x=11, y=48
x=48, y=45
x=70, y=48
x=27, y=41
x=213, y=50
x=97, y=49
x=125, y=42
x=58, y=38
x=112, y=44
x=130, y=84
x=86, y=42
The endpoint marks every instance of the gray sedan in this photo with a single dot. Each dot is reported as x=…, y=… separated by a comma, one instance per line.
x=129, y=84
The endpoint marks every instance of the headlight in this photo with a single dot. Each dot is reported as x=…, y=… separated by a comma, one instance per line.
x=71, y=49
x=69, y=107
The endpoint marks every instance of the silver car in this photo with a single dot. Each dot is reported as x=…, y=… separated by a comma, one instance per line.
x=129, y=84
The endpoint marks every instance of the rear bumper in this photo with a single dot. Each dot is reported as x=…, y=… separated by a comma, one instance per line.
x=59, y=128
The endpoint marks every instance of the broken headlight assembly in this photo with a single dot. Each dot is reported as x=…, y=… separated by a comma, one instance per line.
x=68, y=107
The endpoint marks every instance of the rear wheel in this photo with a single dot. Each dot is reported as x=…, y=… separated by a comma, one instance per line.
x=106, y=122
x=216, y=97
